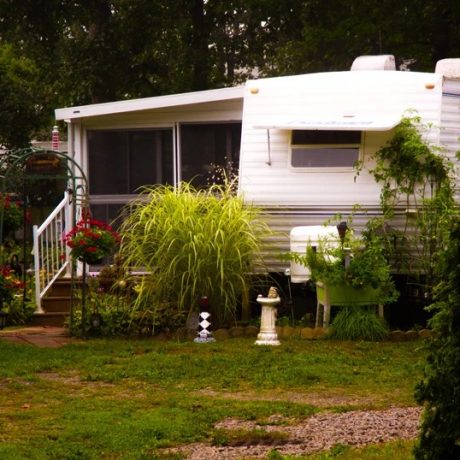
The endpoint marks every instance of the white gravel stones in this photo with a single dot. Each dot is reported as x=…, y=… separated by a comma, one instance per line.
x=317, y=433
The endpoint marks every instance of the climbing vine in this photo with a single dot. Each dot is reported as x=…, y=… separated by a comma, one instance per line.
x=409, y=169
x=416, y=199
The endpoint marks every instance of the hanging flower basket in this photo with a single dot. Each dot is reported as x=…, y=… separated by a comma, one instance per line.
x=91, y=240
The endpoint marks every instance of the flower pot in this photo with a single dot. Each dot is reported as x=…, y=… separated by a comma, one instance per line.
x=342, y=295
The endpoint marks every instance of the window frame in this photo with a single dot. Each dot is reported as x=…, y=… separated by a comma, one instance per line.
x=318, y=146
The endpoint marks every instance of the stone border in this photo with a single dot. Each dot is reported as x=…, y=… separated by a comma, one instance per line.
x=289, y=332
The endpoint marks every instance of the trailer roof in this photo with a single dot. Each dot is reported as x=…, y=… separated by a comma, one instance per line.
x=150, y=103
x=357, y=101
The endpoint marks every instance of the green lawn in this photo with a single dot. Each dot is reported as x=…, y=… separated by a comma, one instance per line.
x=126, y=399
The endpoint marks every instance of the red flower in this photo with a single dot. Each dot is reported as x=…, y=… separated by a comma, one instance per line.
x=91, y=236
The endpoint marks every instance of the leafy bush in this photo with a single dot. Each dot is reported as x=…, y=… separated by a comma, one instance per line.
x=193, y=243
x=19, y=313
x=10, y=284
x=440, y=389
x=12, y=214
x=358, y=323
x=111, y=296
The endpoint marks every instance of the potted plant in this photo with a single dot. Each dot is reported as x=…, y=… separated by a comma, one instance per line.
x=91, y=240
x=352, y=271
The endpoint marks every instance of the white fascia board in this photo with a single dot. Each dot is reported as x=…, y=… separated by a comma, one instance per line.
x=150, y=103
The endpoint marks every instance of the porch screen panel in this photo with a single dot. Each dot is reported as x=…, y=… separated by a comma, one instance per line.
x=207, y=146
x=107, y=213
x=122, y=161
x=151, y=160
x=108, y=159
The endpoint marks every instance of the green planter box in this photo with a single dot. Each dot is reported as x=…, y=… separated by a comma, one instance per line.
x=347, y=295
x=341, y=295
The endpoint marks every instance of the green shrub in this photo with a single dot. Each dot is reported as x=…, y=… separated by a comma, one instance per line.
x=358, y=323
x=18, y=312
x=440, y=389
x=193, y=243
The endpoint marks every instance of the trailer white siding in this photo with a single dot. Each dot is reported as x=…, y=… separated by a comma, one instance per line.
x=450, y=122
x=375, y=94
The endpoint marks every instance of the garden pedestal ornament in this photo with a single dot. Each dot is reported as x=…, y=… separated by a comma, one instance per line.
x=267, y=334
x=204, y=335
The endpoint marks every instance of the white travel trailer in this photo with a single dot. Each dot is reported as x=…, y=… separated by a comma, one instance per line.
x=301, y=136
x=295, y=138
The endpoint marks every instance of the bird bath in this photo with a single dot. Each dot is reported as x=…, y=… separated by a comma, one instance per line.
x=267, y=334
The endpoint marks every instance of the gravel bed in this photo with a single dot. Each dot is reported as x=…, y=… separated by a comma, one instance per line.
x=317, y=433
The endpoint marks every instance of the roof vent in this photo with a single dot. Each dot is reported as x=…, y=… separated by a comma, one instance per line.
x=380, y=62
x=450, y=68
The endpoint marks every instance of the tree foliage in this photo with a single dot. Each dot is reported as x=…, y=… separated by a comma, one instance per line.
x=440, y=389
x=20, y=104
x=103, y=50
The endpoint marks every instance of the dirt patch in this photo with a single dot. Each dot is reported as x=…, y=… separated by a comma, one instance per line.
x=317, y=433
x=72, y=379
x=313, y=399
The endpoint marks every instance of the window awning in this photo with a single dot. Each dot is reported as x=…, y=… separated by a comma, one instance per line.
x=334, y=123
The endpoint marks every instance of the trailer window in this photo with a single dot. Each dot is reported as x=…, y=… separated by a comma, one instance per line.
x=324, y=149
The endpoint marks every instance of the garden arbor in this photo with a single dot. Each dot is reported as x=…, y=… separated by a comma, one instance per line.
x=52, y=188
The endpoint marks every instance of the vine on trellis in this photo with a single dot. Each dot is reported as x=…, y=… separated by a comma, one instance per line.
x=417, y=187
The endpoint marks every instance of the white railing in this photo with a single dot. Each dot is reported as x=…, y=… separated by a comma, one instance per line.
x=51, y=255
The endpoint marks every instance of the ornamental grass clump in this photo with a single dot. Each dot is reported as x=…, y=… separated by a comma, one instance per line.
x=357, y=322
x=193, y=243
x=91, y=240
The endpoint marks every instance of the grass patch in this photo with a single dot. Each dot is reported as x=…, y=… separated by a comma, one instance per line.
x=398, y=450
x=126, y=399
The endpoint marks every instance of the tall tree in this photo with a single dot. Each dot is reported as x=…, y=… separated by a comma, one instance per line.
x=21, y=106
x=87, y=51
